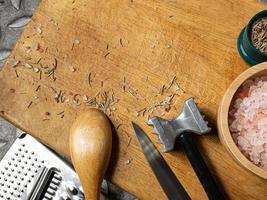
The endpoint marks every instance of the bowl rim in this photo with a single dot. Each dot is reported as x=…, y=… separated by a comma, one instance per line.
x=222, y=121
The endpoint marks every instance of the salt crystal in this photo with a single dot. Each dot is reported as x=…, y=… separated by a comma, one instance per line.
x=233, y=126
x=108, y=112
x=264, y=166
x=248, y=83
x=255, y=141
x=72, y=69
x=136, y=114
x=257, y=79
x=127, y=162
x=36, y=70
x=262, y=121
x=255, y=158
x=168, y=99
x=35, y=46
x=263, y=156
x=232, y=112
x=14, y=62
x=76, y=41
x=257, y=149
x=242, y=142
x=27, y=65
x=238, y=102
x=85, y=98
x=263, y=78
x=38, y=29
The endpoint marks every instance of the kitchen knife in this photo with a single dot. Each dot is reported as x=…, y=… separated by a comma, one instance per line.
x=167, y=179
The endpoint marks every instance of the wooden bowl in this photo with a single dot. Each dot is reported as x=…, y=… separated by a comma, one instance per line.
x=222, y=119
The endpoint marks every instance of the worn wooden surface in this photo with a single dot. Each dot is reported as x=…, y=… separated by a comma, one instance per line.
x=149, y=42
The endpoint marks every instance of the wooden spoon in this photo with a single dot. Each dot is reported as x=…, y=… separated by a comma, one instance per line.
x=90, y=149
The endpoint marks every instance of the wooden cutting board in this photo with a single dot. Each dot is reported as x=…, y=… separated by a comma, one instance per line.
x=127, y=55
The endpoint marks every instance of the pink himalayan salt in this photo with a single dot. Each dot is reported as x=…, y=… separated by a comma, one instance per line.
x=248, y=120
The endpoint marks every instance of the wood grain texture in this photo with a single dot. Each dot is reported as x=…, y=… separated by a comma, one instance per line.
x=90, y=149
x=222, y=118
x=149, y=42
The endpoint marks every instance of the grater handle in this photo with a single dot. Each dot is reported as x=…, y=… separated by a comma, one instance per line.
x=90, y=149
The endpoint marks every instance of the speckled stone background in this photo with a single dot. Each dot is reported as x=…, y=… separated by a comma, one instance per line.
x=14, y=16
x=11, y=11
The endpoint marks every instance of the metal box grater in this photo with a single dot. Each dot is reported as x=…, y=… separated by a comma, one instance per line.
x=31, y=171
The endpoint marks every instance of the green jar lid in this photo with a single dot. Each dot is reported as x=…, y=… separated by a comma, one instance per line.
x=244, y=44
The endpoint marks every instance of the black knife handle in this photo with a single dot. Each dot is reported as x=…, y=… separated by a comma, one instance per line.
x=200, y=167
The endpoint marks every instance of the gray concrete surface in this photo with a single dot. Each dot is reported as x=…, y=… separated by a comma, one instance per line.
x=13, y=12
x=8, y=134
x=14, y=15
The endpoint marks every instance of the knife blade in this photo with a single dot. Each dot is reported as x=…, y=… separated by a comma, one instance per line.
x=167, y=179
